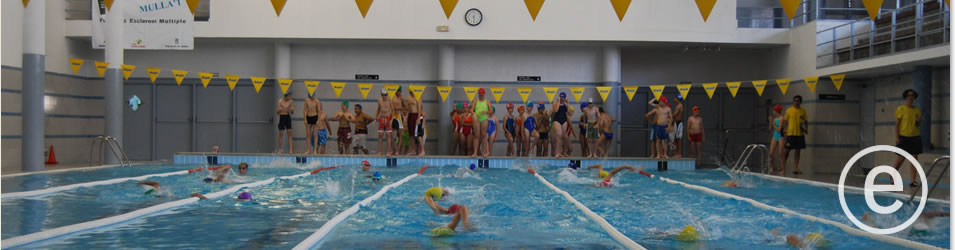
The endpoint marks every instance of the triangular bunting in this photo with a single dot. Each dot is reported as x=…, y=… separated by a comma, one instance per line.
x=470, y=92
x=76, y=64
x=127, y=70
x=278, y=5
x=497, y=92
x=759, y=86
x=710, y=88
x=363, y=6
x=577, y=92
x=550, y=92
x=391, y=88
x=790, y=7
x=311, y=86
x=534, y=7
x=872, y=7
x=25, y=3
x=417, y=90
x=109, y=4
x=448, y=6
x=684, y=89
x=630, y=90
x=525, y=93
x=232, y=80
x=338, y=87
x=192, y=4
x=837, y=79
x=257, y=83
x=101, y=67
x=205, y=78
x=153, y=73
x=284, y=84
x=657, y=91
x=364, y=88
x=811, y=82
x=179, y=75
x=620, y=6
x=604, y=92
x=705, y=6
x=734, y=87
x=783, y=84
x=444, y=91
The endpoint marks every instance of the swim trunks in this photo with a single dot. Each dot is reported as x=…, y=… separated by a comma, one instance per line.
x=796, y=142
x=412, y=120
x=678, y=132
x=384, y=124
x=608, y=136
x=453, y=209
x=322, y=136
x=344, y=135
x=405, y=138
x=285, y=122
x=311, y=120
x=592, y=131
x=359, y=139
x=696, y=137
x=660, y=132
x=543, y=136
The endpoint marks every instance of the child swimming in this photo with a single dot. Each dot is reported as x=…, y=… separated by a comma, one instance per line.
x=608, y=176
x=460, y=212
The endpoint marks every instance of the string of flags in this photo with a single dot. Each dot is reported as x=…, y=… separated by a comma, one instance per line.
x=470, y=91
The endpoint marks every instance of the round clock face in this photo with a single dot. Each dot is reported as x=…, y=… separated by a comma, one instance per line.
x=473, y=17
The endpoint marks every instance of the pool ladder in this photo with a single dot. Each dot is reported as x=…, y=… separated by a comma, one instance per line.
x=934, y=185
x=740, y=163
x=113, y=144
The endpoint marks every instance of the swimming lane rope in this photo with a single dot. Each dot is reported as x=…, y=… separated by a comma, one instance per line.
x=90, y=184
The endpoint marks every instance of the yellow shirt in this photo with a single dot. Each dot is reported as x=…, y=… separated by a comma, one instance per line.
x=909, y=116
x=795, y=117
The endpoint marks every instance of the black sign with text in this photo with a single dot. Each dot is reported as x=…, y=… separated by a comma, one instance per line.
x=366, y=77
x=528, y=78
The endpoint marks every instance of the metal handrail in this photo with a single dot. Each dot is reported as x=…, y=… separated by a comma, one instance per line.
x=881, y=12
x=934, y=185
x=739, y=164
x=114, y=147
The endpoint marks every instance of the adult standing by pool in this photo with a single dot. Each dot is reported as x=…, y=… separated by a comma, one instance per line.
x=796, y=125
x=285, y=110
x=384, y=117
x=414, y=108
x=907, y=136
x=402, y=138
x=481, y=108
x=560, y=109
x=312, y=108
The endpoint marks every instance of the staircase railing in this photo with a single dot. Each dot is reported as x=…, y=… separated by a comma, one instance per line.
x=114, y=147
x=740, y=164
x=929, y=172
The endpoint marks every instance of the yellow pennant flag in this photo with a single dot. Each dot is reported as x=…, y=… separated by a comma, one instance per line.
x=710, y=88
x=759, y=86
x=278, y=5
x=444, y=91
x=620, y=6
x=783, y=84
x=525, y=93
x=448, y=6
x=872, y=7
x=76, y=64
x=153, y=73
x=25, y=3
x=790, y=7
x=109, y=4
x=684, y=89
x=497, y=92
x=734, y=87
x=311, y=86
x=232, y=80
x=338, y=87
x=364, y=88
x=577, y=92
x=811, y=82
x=550, y=92
x=837, y=79
x=284, y=84
x=391, y=88
x=101, y=67
x=705, y=6
x=205, y=78
x=418, y=90
x=534, y=7
x=192, y=6
x=604, y=92
x=657, y=91
x=127, y=70
x=363, y=6
x=257, y=83
x=630, y=90
x=179, y=75
x=470, y=92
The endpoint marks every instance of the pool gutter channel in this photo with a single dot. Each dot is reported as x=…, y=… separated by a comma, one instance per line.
x=844, y=227
x=835, y=187
x=139, y=213
x=614, y=233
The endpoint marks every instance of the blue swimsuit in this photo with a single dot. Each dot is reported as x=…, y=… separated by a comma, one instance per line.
x=491, y=127
x=529, y=124
x=509, y=125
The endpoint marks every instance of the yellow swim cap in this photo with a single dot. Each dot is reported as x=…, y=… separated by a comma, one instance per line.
x=688, y=234
x=817, y=239
x=603, y=174
x=436, y=193
x=442, y=231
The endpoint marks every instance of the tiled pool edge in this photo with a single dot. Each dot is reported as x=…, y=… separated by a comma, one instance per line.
x=493, y=162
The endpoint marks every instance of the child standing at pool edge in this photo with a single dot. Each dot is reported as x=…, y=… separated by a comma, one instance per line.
x=694, y=130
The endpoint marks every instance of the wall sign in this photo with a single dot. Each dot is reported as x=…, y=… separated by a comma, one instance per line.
x=147, y=24
x=365, y=77
x=528, y=78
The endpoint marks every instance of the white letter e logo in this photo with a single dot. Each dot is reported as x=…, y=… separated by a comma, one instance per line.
x=894, y=187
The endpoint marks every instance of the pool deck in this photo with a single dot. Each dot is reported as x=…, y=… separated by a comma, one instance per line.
x=681, y=164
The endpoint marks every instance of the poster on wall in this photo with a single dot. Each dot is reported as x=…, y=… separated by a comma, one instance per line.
x=147, y=24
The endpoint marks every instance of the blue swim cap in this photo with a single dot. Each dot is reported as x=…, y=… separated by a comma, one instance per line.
x=679, y=97
x=207, y=180
x=572, y=165
x=245, y=196
x=563, y=95
x=377, y=174
x=583, y=105
x=540, y=106
x=472, y=167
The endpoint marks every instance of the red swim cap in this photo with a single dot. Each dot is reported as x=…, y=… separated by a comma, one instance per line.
x=778, y=108
x=481, y=91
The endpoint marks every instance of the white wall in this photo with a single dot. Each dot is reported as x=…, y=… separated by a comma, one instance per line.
x=343, y=61
x=57, y=47
x=551, y=63
x=668, y=65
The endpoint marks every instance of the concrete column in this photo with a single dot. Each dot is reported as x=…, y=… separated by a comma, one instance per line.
x=922, y=76
x=612, y=78
x=446, y=78
x=114, y=77
x=283, y=69
x=34, y=55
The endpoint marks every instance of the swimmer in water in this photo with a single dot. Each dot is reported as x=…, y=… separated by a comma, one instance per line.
x=812, y=240
x=220, y=175
x=460, y=212
x=154, y=189
x=921, y=225
x=607, y=176
x=365, y=166
x=730, y=183
x=244, y=196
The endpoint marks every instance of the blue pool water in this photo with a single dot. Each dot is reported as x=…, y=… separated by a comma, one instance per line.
x=509, y=209
x=45, y=180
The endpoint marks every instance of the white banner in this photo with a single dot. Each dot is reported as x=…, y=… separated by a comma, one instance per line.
x=147, y=24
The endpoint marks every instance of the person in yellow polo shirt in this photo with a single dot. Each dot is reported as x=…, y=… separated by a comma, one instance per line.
x=796, y=126
x=907, y=136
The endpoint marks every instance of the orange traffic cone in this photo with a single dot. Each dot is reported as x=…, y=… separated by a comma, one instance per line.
x=52, y=158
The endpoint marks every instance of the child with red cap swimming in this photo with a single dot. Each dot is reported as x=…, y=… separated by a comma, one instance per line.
x=606, y=182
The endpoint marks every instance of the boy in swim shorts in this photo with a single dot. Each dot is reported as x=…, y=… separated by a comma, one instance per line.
x=661, y=119
x=384, y=116
x=694, y=129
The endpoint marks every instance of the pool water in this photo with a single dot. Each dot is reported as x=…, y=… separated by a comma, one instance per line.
x=46, y=180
